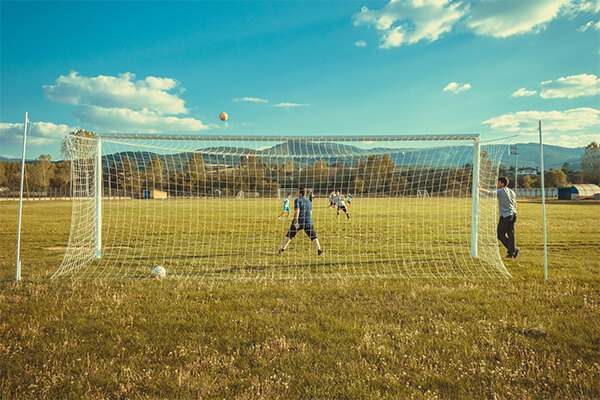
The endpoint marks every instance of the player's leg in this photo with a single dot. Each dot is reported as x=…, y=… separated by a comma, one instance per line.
x=511, y=235
x=347, y=213
x=310, y=232
x=286, y=241
x=502, y=230
x=288, y=237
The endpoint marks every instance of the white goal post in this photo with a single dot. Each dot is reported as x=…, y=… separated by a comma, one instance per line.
x=416, y=207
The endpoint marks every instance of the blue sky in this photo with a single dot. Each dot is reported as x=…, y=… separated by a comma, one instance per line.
x=363, y=67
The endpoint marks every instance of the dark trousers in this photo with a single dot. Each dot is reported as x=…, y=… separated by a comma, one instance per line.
x=506, y=232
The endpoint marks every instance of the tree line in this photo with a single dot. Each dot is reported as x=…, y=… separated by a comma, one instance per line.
x=376, y=174
x=566, y=175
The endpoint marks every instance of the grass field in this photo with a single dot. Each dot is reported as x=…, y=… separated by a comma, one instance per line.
x=228, y=238
x=513, y=338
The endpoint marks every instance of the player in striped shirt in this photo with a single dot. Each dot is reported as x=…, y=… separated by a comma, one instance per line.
x=341, y=204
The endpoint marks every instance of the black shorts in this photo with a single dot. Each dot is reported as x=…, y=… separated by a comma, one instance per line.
x=343, y=208
x=310, y=231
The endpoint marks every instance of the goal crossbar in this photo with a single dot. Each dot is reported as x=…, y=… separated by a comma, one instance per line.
x=329, y=138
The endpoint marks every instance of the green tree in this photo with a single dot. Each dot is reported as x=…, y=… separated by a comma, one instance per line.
x=78, y=144
x=358, y=185
x=195, y=178
x=13, y=174
x=526, y=182
x=155, y=174
x=252, y=172
x=288, y=167
x=3, y=180
x=377, y=173
x=590, y=164
x=566, y=168
x=555, y=178
x=62, y=175
x=40, y=172
x=129, y=177
x=319, y=165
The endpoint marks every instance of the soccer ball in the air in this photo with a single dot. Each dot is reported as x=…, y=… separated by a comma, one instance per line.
x=159, y=272
x=223, y=116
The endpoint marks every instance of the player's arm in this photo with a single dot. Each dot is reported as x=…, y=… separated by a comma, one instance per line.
x=486, y=192
x=296, y=211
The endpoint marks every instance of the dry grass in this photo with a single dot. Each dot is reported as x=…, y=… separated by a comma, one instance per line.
x=357, y=338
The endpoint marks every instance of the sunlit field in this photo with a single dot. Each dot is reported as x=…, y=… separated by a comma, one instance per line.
x=464, y=337
x=228, y=238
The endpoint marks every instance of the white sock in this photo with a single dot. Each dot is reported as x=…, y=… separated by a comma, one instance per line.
x=317, y=245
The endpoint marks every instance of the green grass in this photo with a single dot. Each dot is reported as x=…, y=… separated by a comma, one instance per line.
x=513, y=338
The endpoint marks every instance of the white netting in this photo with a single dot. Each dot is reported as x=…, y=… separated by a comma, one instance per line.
x=207, y=208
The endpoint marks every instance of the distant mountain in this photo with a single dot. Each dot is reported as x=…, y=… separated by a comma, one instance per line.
x=554, y=156
x=529, y=155
x=10, y=159
x=323, y=149
x=306, y=153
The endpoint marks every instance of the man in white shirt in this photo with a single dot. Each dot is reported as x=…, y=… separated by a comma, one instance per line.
x=341, y=204
x=507, y=207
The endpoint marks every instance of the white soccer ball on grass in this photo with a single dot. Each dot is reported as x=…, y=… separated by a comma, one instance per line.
x=159, y=272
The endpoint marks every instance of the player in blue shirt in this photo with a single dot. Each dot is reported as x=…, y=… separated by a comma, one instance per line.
x=349, y=199
x=286, y=206
x=302, y=221
x=332, y=199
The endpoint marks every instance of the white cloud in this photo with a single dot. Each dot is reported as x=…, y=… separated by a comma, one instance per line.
x=39, y=133
x=591, y=25
x=455, y=87
x=289, y=105
x=410, y=21
x=402, y=22
x=589, y=6
x=495, y=18
x=127, y=120
x=250, y=99
x=522, y=92
x=571, y=140
x=583, y=120
x=120, y=91
x=570, y=87
x=360, y=43
x=123, y=103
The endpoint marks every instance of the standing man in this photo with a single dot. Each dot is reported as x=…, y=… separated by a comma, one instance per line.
x=341, y=205
x=311, y=196
x=507, y=206
x=302, y=221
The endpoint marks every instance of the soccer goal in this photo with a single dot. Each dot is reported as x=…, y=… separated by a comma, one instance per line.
x=146, y=201
x=422, y=193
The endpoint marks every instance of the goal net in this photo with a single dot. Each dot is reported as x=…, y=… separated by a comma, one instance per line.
x=208, y=207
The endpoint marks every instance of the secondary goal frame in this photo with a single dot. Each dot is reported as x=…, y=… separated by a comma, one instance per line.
x=474, y=138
